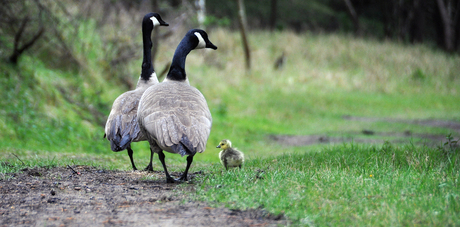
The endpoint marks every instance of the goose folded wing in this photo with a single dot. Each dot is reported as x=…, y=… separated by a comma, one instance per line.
x=179, y=129
x=122, y=127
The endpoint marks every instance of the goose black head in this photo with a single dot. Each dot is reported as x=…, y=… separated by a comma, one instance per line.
x=194, y=39
x=148, y=23
x=153, y=19
x=201, y=39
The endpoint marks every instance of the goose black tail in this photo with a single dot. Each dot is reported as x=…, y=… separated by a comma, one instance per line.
x=184, y=147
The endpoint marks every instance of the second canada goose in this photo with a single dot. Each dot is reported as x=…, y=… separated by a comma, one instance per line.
x=122, y=128
x=173, y=115
x=279, y=63
x=229, y=156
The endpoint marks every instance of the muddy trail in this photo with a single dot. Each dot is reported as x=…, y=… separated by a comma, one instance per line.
x=87, y=196
x=372, y=136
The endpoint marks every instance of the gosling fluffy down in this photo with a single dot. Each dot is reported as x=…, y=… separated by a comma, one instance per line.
x=230, y=157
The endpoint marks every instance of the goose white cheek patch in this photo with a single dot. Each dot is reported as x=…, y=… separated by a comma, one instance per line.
x=201, y=42
x=155, y=21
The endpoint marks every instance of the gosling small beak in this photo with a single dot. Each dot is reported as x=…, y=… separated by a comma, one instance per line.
x=218, y=146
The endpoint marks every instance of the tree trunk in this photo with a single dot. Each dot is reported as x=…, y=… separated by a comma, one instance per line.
x=17, y=50
x=242, y=22
x=388, y=19
x=354, y=16
x=201, y=12
x=417, y=24
x=456, y=26
x=401, y=15
x=447, y=26
x=175, y=3
x=272, y=20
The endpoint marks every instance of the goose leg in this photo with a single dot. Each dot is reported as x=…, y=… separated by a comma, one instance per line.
x=130, y=153
x=161, y=156
x=150, y=167
x=189, y=163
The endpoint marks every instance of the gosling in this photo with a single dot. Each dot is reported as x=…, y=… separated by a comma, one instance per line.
x=230, y=157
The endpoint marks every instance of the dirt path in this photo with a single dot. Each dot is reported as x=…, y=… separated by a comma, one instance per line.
x=377, y=136
x=60, y=197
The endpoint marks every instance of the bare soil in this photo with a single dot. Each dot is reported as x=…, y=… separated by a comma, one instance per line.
x=87, y=196
x=376, y=137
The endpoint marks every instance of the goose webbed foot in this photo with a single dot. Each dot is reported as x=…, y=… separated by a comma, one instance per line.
x=149, y=168
x=182, y=179
x=171, y=180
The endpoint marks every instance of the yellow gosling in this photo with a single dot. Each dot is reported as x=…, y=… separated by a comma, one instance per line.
x=230, y=157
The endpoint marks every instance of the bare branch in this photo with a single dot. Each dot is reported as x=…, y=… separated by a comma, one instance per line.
x=17, y=37
x=17, y=51
x=32, y=41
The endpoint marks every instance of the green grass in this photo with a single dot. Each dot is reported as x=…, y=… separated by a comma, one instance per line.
x=346, y=185
x=54, y=116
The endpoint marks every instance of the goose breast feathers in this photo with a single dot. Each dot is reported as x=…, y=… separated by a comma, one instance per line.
x=175, y=114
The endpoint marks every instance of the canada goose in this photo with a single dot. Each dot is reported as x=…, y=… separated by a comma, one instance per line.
x=173, y=115
x=279, y=63
x=229, y=156
x=122, y=128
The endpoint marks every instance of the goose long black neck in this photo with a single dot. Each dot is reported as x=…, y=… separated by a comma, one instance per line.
x=177, y=69
x=147, y=67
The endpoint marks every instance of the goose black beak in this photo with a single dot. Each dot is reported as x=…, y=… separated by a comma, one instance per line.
x=218, y=146
x=210, y=45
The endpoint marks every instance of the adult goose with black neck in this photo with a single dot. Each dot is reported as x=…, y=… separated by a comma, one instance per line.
x=122, y=127
x=173, y=115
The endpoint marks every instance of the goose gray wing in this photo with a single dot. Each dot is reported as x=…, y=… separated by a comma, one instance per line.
x=122, y=127
x=177, y=116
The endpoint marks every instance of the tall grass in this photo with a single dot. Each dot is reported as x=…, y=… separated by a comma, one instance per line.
x=333, y=62
x=326, y=77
